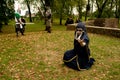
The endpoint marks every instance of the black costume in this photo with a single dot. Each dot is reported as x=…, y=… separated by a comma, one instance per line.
x=20, y=26
x=69, y=21
x=79, y=57
x=23, y=24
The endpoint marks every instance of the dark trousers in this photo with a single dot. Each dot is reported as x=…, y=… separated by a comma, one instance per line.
x=18, y=29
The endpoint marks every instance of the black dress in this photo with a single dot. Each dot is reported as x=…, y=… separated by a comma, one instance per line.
x=79, y=57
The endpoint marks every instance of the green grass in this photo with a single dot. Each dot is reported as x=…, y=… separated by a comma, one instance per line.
x=38, y=55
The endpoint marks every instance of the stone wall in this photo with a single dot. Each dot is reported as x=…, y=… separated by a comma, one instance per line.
x=106, y=22
x=98, y=30
x=71, y=26
x=104, y=31
x=112, y=22
x=103, y=22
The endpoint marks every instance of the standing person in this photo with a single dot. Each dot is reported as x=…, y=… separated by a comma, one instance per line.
x=79, y=57
x=18, y=25
x=48, y=20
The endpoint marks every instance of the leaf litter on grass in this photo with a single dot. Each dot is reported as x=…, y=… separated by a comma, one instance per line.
x=38, y=55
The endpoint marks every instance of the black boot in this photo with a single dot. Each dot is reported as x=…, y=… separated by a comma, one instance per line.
x=49, y=30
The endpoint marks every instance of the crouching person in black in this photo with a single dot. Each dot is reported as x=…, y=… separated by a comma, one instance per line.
x=79, y=57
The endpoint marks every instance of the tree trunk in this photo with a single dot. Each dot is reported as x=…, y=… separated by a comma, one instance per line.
x=87, y=10
x=0, y=26
x=111, y=5
x=99, y=13
x=61, y=21
x=28, y=5
x=100, y=9
x=61, y=17
x=61, y=10
x=119, y=12
x=40, y=13
x=79, y=9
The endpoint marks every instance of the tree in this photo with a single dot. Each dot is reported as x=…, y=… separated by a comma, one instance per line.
x=29, y=9
x=80, y=4
x=87, y=9
x=92, y=8
x=110, y=9
x=117, y=11
x=6, y=11
x=63, y=9
x=101, y=4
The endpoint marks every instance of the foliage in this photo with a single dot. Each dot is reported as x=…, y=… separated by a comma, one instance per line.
x=63, y=8
x=6, y=10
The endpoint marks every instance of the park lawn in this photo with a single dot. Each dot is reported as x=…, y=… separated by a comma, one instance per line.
x=38, y=55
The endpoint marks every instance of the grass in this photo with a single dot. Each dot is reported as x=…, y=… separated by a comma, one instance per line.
x=38, y=55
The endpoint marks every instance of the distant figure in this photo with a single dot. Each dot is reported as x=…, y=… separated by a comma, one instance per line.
x=69, y=21
x=79, y=57
x=48, y=20
x=19, y=24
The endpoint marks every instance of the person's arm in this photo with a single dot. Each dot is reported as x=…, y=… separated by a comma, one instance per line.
x=82, y=42
x=16, y=20
x=20, y=20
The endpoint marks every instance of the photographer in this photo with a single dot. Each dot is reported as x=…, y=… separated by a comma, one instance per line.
x=48, y=19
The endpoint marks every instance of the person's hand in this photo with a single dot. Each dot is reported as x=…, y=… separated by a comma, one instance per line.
x=81, y=41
